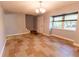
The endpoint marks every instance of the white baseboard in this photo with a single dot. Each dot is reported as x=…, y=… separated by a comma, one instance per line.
x=62, y=37
x=74, y=43
x=45, y=34
x=58, y=36
x=1, y=54
x=18, y=34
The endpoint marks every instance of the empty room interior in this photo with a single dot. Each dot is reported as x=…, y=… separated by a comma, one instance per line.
x=39, y=28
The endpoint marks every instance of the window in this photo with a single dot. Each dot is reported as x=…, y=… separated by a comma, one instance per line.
x=65, y=21
x=50, y=27
x=57, y=22
x=70, y=21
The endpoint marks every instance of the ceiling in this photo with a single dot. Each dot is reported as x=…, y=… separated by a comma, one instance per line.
x=28, y=7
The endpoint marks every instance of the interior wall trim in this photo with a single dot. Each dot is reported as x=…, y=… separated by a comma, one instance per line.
x=1, y=54
x=61, y=37
x=17, y=34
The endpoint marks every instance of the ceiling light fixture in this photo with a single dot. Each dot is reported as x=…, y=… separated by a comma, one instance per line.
x=40, y=10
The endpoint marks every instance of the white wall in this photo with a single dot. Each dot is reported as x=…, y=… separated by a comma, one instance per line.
x=2, y=34
x=15, y=23
x=43, y=22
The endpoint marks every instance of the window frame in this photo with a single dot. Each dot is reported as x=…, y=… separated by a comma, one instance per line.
x=63, y=19
x=56, y=21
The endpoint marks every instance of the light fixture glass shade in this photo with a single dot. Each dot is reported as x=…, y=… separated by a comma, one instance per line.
x=37, y=11
x=40, y=10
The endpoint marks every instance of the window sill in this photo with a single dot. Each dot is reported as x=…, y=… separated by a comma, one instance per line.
x=65, y=30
